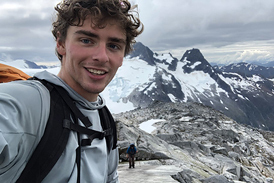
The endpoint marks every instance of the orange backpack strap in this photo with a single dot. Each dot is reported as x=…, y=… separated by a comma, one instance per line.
x=9, y=73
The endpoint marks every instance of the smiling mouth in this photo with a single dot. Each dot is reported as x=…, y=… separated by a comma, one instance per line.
x=96, y=72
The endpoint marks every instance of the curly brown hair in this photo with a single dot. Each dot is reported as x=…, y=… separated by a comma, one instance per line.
x=74, y=12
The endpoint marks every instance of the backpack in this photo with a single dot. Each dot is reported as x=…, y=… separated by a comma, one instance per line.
x=9, y=73
x=58, y=128
x=131, y=150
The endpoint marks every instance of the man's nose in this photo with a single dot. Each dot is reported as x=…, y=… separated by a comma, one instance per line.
x=100, y=53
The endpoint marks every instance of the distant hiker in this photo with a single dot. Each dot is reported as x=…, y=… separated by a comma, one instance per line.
x=57, y=128
x=131, y=151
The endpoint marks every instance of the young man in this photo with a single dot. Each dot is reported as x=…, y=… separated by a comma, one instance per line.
x=92, y=38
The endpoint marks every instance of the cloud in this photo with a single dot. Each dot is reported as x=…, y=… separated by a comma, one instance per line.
x=250, y=56
x=241, y=52
x=26, y=29
x=221, y=29
x=214, y=23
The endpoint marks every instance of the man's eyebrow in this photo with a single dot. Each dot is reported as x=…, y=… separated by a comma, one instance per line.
x=117, y=40
x=90, y=34
x=87, y=33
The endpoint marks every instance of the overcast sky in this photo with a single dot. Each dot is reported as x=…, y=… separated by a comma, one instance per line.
x=225, y=31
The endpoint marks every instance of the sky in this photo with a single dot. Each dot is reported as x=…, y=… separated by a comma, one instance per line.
x=225, y=31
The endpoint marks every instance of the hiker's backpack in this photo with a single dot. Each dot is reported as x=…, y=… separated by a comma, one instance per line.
x=9, y=73
x=131, y=150
x=58, y=128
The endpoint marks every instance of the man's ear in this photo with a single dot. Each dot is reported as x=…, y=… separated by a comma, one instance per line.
x=60, y=45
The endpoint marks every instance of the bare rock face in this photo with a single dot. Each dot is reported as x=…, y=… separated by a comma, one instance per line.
x=206, y=145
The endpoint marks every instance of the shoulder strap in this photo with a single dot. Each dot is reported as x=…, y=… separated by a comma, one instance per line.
x=107, y=122
x=51, y=145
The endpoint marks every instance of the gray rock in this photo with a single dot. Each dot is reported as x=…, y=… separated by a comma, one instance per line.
x=221, y=151
x=186, y=176
x=216, y=179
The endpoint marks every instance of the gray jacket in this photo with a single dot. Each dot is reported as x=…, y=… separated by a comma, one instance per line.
x=24, y=111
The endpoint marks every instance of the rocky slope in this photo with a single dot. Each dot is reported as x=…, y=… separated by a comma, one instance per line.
x=206, y=145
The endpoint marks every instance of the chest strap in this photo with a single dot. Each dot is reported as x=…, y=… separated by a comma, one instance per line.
x=92, y=134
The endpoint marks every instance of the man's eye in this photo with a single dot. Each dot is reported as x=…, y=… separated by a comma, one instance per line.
x=113, y=46
x=85, y=41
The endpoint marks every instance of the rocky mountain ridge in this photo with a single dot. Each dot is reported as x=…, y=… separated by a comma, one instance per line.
x=241, y=91
x=205, y=144
x=246, y=69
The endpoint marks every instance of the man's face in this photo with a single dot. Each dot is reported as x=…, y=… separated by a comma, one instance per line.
x=91, y=57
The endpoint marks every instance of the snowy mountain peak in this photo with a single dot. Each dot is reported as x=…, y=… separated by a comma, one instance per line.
x=193, y=55
x=143, y=52
x=193, y=79
x=194, y=60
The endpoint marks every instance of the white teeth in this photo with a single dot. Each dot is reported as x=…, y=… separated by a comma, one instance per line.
x=93, y=71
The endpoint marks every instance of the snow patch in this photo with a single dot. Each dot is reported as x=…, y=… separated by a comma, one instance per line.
x=195, y=65
x=148, y=127
x=185, y=118
x=172, y=97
